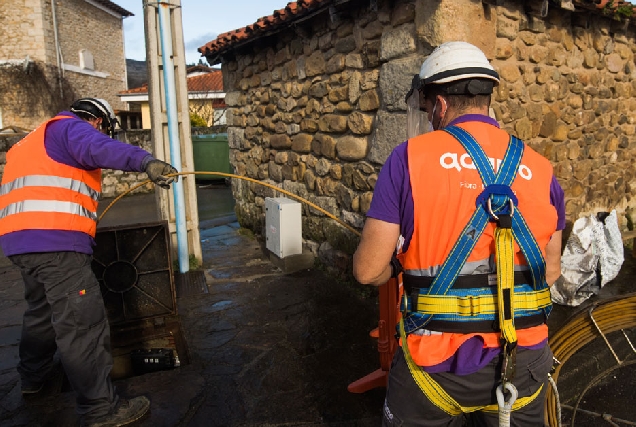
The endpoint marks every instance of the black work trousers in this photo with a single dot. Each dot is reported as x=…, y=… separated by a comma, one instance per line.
x=407, y=406
x=66, y=313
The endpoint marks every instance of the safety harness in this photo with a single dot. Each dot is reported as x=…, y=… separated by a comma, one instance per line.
x=439, y=303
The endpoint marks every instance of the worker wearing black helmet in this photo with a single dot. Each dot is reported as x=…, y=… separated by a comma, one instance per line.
x=48, y=216
x=469, y=218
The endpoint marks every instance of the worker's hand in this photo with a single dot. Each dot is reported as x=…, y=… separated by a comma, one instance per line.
x=157, y=171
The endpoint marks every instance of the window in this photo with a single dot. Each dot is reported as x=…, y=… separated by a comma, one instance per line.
x=86, y=60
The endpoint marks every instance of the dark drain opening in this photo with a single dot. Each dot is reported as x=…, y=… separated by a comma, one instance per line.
x=120, y=276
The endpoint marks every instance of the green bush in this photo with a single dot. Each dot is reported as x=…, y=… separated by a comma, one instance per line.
x=197, y=121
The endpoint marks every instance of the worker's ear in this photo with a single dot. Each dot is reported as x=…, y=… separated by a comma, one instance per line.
x=96, y=123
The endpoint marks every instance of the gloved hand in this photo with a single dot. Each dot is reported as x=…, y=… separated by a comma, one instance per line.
x=157, y=171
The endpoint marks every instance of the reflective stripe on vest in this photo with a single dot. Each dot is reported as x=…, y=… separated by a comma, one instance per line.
x=473, y=267
x=49, y=181
x=47, y=206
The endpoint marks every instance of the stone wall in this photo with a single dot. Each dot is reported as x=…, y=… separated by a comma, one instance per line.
x=316, y=109
x=22, y=40
x=32, y=94
x=567, y=85
x=84, y=26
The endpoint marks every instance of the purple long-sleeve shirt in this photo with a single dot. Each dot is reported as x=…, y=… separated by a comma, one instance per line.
x=393, y=202
x=76, y=143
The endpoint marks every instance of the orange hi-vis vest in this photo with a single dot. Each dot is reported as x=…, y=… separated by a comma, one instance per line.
x=445, y=185
x=38, y=193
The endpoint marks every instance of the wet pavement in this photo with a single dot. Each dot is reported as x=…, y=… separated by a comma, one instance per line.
x=274, y=349
x=266, y=349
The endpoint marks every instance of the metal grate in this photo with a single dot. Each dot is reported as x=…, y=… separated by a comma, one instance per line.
x=134, y=269
x=190, y=283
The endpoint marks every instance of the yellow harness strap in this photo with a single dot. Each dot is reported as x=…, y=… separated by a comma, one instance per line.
x=474, y=305
x=504, y=249
x=438, y=396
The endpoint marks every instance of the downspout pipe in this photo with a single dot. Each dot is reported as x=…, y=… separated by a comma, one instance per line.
x=165, y=34
x=57, y=50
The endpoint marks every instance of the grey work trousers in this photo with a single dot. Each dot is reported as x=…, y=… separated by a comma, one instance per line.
x=66, y=313
x=407, y=406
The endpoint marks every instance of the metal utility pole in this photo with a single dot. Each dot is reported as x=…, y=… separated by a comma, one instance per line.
x=170, y=123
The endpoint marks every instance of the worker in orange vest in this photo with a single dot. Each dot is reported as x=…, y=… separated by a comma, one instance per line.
x=471, y=219
x=48, y=216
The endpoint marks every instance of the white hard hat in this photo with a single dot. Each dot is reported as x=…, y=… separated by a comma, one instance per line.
x=111, y=112
x=97, y=108
x=453, y=61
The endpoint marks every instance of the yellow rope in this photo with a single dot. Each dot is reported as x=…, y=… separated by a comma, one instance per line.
x=439, y=397
x=229, y=175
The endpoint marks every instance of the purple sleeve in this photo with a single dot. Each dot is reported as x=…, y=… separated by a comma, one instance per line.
x=557, y=199
x=76, y=143
x=392, y=197
x=385, y=204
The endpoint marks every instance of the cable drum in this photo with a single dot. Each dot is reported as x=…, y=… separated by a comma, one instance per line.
x=610, y=315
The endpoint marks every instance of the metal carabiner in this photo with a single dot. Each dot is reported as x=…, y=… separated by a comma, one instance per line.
x=405, y=301
x=509, y=365
x=492, y=214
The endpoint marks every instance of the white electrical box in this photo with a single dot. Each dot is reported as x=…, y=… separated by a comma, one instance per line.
x=283, y=226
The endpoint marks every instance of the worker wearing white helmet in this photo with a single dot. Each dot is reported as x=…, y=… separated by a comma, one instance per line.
x=476, y=216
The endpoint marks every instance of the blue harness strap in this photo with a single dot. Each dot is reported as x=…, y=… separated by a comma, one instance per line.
x=496, y=199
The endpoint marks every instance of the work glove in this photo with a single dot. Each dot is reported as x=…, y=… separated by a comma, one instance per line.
x=157, y=171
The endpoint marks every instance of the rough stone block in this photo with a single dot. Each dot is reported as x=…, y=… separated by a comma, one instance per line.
x=395, y=80
x=449, y=20
x=391, y=131
x=397, y=42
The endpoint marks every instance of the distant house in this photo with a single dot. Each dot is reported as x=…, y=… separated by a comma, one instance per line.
x=54, y=52
x=205, y=94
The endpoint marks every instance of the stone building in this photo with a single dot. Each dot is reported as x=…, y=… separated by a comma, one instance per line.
x=316, y=97
x=52, y=52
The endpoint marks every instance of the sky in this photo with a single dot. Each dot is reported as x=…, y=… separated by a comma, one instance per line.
x=203, y=21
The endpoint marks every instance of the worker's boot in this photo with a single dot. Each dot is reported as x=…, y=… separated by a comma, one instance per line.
x=126, y=411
